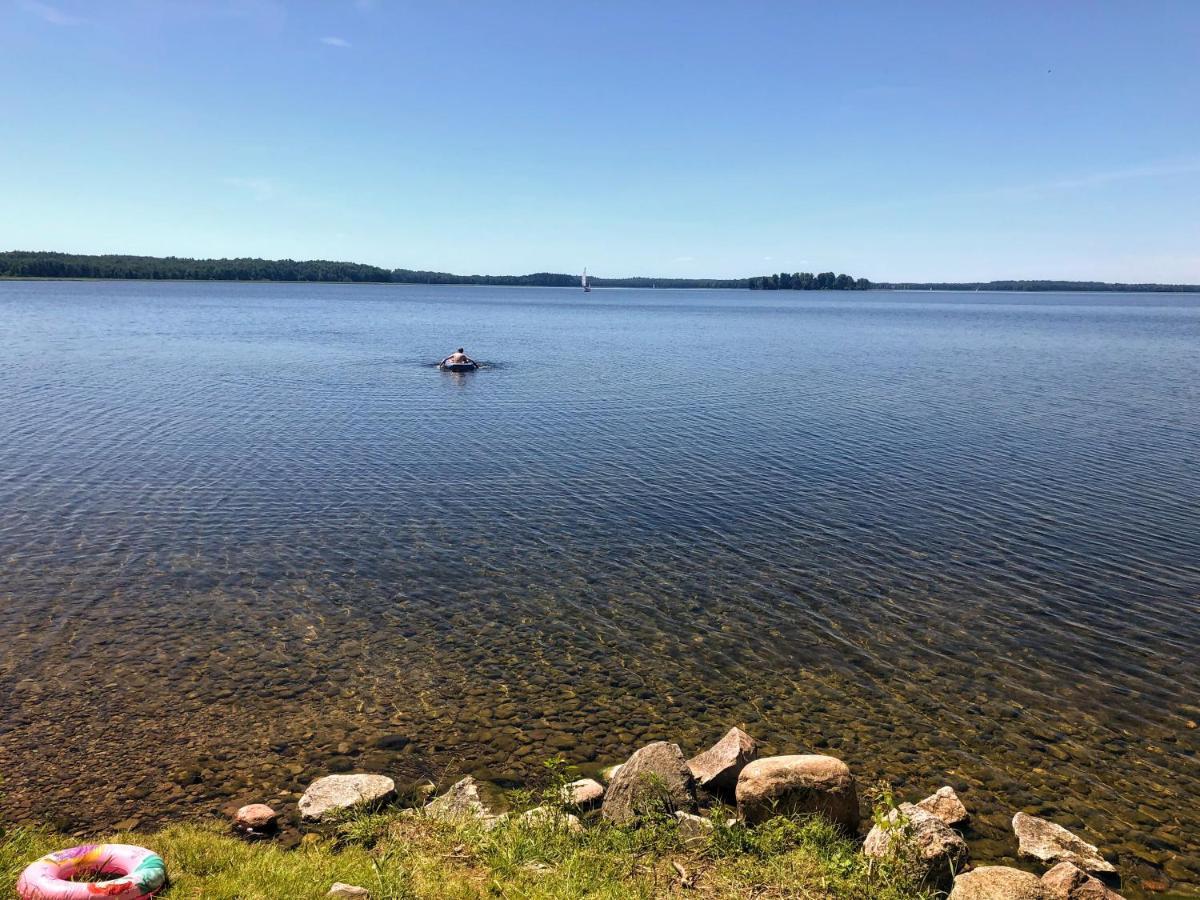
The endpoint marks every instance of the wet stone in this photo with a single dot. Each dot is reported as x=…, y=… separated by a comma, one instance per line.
x=391, y=742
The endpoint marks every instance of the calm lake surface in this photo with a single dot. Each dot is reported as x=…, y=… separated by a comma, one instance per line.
x=248, y=536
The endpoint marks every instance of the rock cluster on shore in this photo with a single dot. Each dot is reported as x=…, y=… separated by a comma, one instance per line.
x=658, y=780
x=1066, y=881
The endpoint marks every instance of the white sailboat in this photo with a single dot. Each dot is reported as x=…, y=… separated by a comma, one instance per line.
x=584, y=281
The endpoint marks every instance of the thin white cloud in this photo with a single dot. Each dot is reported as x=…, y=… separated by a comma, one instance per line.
x=51, y=14
x=259, y=188
x=335, y=41
x=1160, y=169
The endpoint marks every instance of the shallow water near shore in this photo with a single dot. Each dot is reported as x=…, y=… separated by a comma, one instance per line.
x=250, y=536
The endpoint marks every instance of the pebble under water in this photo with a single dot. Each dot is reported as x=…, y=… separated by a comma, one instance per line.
x=249, y=535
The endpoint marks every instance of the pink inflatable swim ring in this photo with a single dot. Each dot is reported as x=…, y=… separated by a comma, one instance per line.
x=140, y=874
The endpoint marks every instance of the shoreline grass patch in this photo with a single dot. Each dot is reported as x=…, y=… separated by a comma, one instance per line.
x=399, y=855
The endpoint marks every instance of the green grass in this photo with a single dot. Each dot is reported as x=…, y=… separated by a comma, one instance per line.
x=398, y=856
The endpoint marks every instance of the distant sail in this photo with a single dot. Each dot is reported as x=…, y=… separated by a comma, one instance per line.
x=584, y=281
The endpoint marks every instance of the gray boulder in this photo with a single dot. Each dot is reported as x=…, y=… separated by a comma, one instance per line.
x=1043, y=840
x=655, y=779
x=997, y=883
x=461, y=803
x=921, y=839
x=782, y=785
x=944, y=804
x=348, y=892
x=333, y=793
x=717, y=768
x=1067, y=881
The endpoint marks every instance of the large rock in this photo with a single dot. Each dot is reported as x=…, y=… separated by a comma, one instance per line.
x=586, y=793
x=333, y=793
x=1050, y=843
x=781, y=785
x=920, y=838
x=997, y=883
x=256, y=818
x=944, y=804
x=462, y=802
x=1067, y=881
x=717, y=768
x=344, y=891
x=655, y=779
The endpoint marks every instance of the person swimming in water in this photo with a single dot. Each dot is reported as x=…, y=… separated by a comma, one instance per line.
x=459, y=358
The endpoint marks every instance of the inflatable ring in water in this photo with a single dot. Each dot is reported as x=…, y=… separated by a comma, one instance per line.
x=140, y=874
x=459, y=367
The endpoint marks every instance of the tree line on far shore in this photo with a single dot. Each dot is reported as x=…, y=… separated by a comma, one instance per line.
x=44, y=264
x=1041, y=285
x=807, y=281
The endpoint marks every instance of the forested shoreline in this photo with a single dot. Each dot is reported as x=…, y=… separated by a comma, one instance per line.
x=48, y=264
x=45, y=264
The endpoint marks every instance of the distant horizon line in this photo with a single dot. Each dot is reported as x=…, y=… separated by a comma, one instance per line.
x=13, y=264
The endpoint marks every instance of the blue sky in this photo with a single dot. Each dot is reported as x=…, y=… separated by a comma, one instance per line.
x=901, y=140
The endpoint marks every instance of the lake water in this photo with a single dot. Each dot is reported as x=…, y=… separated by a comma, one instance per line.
x=249, y=536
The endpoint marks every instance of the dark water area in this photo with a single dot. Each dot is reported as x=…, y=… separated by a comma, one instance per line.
x=249, y=535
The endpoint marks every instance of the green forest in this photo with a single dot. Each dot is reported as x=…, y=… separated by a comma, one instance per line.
x=807, y=281
x=42, y=264
x=46, y=264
